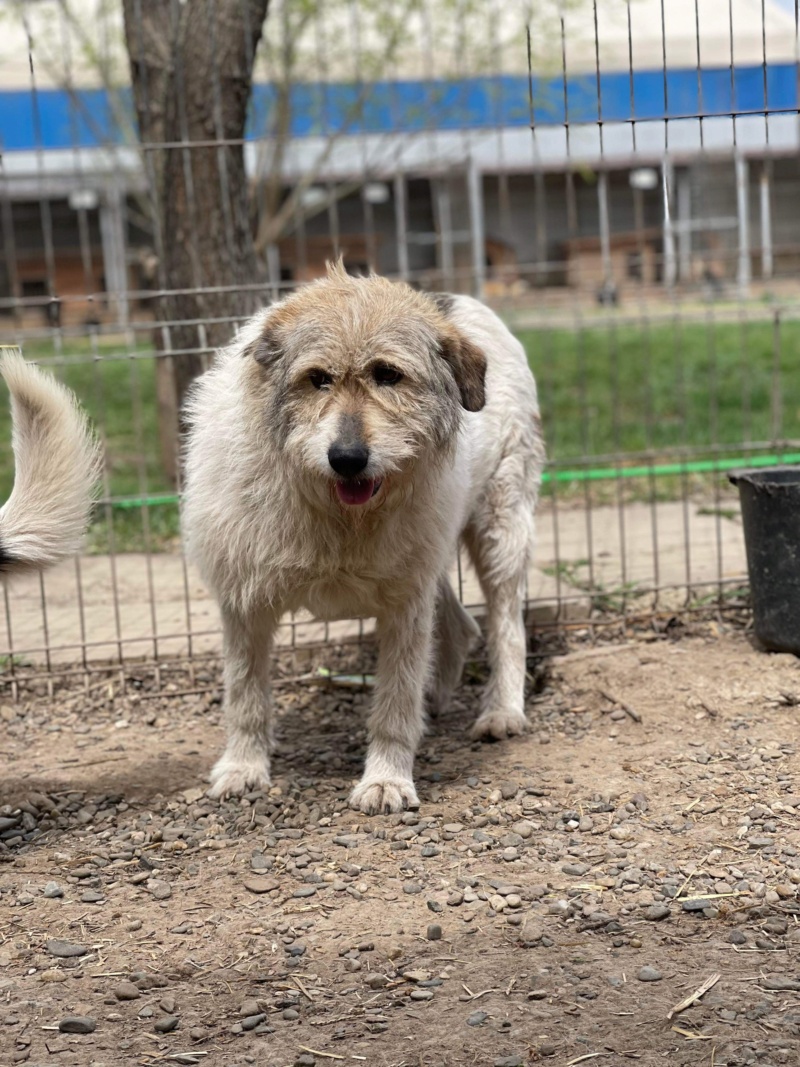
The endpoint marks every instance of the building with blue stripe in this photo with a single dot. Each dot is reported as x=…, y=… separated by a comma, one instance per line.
x=507, y=181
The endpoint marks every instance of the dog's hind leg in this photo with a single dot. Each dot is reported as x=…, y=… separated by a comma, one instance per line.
x=500, y=538
x=244, y=765
x=455, y=633
x=397, y=719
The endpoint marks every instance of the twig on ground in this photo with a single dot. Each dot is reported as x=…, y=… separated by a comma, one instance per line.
x=629, y=711
x=694, y=997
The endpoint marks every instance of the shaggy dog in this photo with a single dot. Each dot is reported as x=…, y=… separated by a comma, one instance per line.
x=57, y=463
x=337, y=452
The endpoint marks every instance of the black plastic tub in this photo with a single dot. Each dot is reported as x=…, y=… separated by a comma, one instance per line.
x=770, y=502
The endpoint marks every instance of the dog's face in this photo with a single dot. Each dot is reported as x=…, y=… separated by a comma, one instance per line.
x=366, y=379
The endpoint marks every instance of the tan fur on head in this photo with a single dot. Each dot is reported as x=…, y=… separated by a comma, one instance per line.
x=349, y=332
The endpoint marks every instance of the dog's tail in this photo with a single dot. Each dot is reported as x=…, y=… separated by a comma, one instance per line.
x=57, y=465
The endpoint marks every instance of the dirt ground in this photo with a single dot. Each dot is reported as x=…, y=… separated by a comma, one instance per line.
x=553, y=900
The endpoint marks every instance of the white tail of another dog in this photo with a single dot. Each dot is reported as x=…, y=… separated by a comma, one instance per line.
x=57, y=466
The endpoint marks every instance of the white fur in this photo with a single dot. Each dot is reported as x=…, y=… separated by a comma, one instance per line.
x=260, y=522
x=57, y=464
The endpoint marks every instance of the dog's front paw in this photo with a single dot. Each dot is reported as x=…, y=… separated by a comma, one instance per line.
x=234, y=777
x=498, y=724
x=396, y=794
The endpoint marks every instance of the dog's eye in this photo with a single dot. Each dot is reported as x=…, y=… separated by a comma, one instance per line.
x=386, y=375
x=320, y=379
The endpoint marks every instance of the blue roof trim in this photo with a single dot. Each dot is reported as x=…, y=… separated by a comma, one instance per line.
x=54, y=118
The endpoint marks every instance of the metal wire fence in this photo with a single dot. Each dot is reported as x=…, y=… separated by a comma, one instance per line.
x=618, y=179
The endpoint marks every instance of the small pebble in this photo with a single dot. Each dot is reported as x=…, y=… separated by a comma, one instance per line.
x=166, y=1024
x=656, y=912
x=649, y=974
x=77, y=1024
x=65, y=949
x=252, y=1021
x=53, y=890
x=421, y=994
x=127, y=991
x=258, y=884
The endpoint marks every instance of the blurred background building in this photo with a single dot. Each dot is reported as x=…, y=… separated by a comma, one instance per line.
x=664, y=150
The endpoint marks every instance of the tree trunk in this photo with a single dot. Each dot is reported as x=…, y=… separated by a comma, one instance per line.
x=192, y=71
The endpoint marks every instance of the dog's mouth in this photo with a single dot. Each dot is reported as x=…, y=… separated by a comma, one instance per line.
x=355, y=492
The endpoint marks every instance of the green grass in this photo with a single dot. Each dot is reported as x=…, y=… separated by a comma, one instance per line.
x=629, y=389
x=642, y=393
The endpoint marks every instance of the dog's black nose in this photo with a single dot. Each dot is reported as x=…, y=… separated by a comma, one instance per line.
x=348, y=460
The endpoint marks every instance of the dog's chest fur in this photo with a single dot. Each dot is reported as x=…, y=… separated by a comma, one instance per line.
x=359, y=571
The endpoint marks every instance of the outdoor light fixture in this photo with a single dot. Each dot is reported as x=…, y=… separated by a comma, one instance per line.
x=83, y=200
x=644, y=178
x=313, y=196
x=375, y=192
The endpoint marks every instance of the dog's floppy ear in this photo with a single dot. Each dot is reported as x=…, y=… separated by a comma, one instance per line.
x=266, y=349
x=468, y=365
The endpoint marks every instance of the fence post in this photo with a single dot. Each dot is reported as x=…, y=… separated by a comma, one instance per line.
x=683, y=182
x=743, y=214
x=401, y=224
x=605, y=229
x=766, y=221
x=475, y=195
x=115, y=261
x=669, y=230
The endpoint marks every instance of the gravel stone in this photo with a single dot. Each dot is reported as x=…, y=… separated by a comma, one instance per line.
x=53, y=890
x=575, y=870
x=77, y=1024
x=649, y=974
x=126, y=991
x=159, y=889
x=250, y=1022
x=657, y=912
x=166, y=1024
x=65, y=949
x=696, y=905
x=258, y=884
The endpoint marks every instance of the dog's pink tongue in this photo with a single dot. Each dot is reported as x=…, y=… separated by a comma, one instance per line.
x=355, y=492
